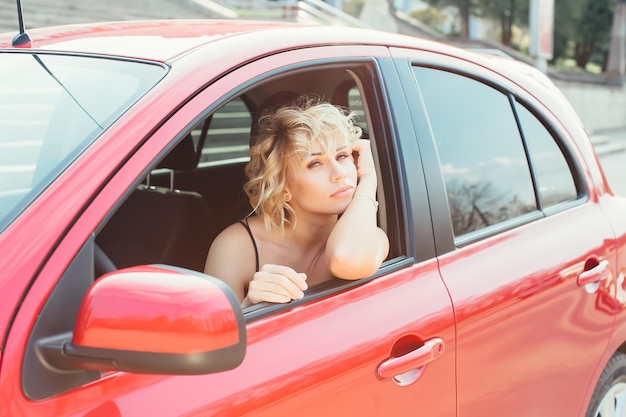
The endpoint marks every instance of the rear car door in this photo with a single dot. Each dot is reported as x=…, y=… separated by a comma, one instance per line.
x=380, y=346
x=523, y=246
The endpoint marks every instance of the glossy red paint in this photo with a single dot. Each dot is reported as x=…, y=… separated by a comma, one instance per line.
x=152, y=310
x=287, y=360
x=509, y=303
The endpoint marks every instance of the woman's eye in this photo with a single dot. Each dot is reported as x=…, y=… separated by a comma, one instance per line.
x=313, y=164
x=342, y=156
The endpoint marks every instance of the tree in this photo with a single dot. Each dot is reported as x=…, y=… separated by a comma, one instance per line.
x=594, y=31
x=582, y=30
x=566, y=16
x=509, y=13
x=466, y=9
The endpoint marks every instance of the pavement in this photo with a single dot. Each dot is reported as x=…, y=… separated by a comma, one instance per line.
x=611, y=149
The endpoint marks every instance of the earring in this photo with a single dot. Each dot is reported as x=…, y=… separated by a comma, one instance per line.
x=287, y=196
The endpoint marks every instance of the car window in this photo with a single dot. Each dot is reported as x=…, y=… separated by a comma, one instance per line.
x=228, y=135
x=355, y=105
x=480, y=148
x=51, y=111
x=553, y=176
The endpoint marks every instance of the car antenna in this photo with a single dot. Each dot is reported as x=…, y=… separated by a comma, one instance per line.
x=21, y=39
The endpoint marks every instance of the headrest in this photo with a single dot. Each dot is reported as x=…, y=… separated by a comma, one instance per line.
x=183, y=157
x=272, y=103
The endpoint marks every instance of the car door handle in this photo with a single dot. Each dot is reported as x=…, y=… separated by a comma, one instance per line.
x=423, y=355
x=596, y=274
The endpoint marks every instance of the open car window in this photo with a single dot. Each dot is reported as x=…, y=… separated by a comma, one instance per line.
x=196, y=191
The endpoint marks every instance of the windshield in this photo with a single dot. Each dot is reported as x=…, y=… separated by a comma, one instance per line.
x=52, y=107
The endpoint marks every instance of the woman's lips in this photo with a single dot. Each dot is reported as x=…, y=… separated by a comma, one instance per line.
x=343, y=191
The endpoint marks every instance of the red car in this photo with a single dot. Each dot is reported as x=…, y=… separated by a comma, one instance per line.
x=122, y=154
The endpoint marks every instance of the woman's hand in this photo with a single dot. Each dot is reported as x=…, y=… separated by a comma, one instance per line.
x=363, y=159
x=275, y=284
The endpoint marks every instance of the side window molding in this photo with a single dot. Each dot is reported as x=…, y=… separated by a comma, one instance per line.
x=557, y=178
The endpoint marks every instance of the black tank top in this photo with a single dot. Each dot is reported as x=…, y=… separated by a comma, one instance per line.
x=256, y=251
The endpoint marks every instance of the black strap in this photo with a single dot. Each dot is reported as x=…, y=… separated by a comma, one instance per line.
x=256, y=251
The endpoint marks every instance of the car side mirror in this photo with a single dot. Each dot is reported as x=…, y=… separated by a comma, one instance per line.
x=153, y=319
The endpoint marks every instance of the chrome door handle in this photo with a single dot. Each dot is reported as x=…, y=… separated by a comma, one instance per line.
x=423, y=355
x=596, y=274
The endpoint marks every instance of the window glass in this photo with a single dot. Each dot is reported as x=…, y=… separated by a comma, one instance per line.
x=482, y=156
x=552, y=173
x=228, y=137
x=51, y=110
x=355, y=105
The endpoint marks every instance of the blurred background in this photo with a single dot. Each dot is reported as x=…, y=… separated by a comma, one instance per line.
x=586, y=39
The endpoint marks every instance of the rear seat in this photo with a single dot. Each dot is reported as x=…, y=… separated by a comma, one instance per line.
x=160, y=224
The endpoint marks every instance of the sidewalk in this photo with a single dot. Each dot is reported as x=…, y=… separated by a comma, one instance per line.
x=609, y=141
x=611, y=149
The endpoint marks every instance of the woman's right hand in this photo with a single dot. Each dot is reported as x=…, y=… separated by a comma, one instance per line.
x=275, y=284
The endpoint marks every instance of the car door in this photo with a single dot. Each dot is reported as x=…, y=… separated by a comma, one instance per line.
x=380, y=346
x=524, y=248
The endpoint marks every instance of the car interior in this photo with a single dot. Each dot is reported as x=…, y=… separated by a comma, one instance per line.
x=196, y=191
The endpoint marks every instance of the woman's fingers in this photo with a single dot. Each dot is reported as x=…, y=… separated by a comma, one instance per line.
x=276, y=284
x=362, y=150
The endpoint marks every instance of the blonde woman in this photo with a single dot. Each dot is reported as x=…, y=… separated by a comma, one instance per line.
x=312, y=184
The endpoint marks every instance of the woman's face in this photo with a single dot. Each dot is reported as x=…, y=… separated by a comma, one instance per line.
x=322, y=182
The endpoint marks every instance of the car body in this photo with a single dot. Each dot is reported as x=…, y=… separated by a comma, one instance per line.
x=123, y=152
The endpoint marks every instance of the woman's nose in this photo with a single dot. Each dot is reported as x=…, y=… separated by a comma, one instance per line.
x=338, y=172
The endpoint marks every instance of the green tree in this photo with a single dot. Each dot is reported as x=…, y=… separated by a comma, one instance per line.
x=582, y=30
x=466, y=9
x=567, y=14
x=508, y=12
x=594, y=33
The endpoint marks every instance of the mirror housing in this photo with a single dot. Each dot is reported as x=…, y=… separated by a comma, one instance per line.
x=156, y=320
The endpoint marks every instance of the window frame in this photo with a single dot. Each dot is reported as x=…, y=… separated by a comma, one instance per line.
x=380, y=120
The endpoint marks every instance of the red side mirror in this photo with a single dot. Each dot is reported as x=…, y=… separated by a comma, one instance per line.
x=157, y=319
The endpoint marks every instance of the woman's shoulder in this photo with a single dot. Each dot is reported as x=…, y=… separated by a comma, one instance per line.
x=232, y=257
x=233, y=234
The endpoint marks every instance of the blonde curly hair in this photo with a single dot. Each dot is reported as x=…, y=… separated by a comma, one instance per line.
x=290, y=130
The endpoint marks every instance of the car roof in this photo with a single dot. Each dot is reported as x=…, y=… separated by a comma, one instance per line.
x=165, y=40
x=156, y=40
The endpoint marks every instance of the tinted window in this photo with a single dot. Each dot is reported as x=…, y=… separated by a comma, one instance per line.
x=552, y=173
x=53, y=107
x=480, y=149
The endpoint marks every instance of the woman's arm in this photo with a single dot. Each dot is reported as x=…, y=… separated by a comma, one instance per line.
x=356, y=246
x=231, y=258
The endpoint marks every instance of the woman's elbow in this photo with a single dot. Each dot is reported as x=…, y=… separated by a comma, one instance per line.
x=352, y=267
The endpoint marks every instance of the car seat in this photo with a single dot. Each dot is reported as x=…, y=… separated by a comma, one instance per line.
x=161, y=224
